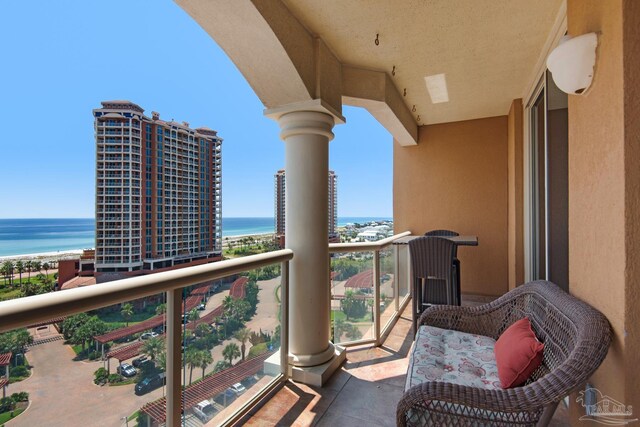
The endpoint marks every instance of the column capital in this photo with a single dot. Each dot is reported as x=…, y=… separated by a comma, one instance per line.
x=316, y=105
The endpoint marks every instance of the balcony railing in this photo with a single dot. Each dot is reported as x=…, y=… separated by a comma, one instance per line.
x=43, y=309
x=379, y=267
x=368, y=290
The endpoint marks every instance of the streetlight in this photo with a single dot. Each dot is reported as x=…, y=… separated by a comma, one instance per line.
x=126, y=420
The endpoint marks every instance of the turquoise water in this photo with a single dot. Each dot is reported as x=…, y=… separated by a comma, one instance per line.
x=29, y=236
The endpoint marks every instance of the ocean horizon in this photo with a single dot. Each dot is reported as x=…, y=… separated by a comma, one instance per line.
x=28, y=236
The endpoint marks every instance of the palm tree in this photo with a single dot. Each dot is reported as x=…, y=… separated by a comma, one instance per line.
x=46, y=268
x=29, y=266
x=202, y=329
x=36, y=266
x=243, y=335
x=194, y=315
x=7, y=271
x=154, y=348
x=192, y=358
x=162, y=360
x=161, y=309
x=230, y=352
x=206, y=359
x=20, y=269
x=227, y=304
x=126, y=312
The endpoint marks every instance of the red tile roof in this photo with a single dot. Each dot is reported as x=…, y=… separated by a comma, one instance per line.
x=236, y=291
x=238, y=288
x=209, y=387
x=5, y=359
x=190, y=303
x=360, y=280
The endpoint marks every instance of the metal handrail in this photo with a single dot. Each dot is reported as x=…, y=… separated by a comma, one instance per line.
x=365, y=246
x=22, y=312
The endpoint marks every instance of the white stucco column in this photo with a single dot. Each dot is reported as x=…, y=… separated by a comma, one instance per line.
x=306, y=132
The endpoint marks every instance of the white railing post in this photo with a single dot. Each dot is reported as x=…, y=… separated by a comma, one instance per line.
x=174, y=363
x=376, y=295
x=284, y=319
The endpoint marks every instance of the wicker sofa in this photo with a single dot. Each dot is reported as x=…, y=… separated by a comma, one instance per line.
x=576, y=339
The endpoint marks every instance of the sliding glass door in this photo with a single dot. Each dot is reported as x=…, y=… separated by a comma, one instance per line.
x=548, y=184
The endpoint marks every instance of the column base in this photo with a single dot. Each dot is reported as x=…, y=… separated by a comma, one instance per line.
x=308, y=360
x=313, y=375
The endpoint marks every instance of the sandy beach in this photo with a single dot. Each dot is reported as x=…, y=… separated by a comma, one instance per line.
x=57, y=255
x=49, y=256
x=236, y=239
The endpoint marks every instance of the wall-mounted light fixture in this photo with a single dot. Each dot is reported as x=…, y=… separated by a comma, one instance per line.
x=572, y=63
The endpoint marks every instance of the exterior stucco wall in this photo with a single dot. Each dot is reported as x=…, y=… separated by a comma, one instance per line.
x=515, y=171
x=456, y=178
x=631, y=58
x=604, y=175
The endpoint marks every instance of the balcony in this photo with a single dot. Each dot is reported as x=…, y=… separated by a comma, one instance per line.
x=261, y=374
x=365, y=389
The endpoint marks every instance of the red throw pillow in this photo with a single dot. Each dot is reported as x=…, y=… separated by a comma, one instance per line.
x=518, y=354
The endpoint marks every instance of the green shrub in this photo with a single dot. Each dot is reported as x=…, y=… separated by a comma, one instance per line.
x=6, y=404
x=114, y=378
x=258, y=349
x=94, y=355
x=22, y=396
x=19, y=371
x=100, y=376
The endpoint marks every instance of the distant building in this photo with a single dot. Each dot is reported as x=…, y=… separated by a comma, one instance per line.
x=158, y=191
x=280, y=206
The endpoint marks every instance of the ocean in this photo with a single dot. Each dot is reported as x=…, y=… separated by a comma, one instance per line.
x=30, y=236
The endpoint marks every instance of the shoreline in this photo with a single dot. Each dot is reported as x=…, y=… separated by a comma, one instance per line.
x=53, y=255
x=66, y=253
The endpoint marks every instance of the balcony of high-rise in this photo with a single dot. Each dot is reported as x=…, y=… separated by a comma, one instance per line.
x=474, y=163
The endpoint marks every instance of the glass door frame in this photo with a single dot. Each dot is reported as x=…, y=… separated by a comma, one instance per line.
x=531, y=167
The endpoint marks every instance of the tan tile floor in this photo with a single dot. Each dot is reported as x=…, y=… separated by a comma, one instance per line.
x=363, y=393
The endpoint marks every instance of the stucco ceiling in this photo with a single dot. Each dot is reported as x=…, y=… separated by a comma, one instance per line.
x=487, y=49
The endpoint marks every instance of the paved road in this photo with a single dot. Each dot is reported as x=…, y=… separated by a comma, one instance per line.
x=62, y=392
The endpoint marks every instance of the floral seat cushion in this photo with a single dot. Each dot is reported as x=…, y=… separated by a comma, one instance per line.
x=453, y=357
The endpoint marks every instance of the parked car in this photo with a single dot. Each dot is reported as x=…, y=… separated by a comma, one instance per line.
x=150, y=383
x=204, y=411
x=126, y=370
x=202, y=306
x=226, y=397
x=249, y=381
x=238, y=389
x=139, y=361
x=148, y=335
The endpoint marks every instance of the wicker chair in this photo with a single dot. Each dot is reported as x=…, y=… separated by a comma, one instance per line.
x=432, y=269
x=456, y=262
x=576, y=339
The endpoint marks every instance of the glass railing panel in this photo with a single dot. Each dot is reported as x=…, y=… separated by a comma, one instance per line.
x=229, y=338
x=352, y=297
x=388, y=286
x=104, y=352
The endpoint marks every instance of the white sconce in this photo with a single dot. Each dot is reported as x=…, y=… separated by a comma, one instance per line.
x=572, y=63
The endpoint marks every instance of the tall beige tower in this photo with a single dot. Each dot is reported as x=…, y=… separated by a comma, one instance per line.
x=158, y=190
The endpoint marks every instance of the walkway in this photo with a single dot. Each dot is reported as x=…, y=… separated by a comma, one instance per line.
x=62, y=392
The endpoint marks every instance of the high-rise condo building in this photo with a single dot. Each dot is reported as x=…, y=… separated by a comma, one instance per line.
x=280, y=205
x=158, y=191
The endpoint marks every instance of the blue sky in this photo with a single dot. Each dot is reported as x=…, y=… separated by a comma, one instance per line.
x=60, y=59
